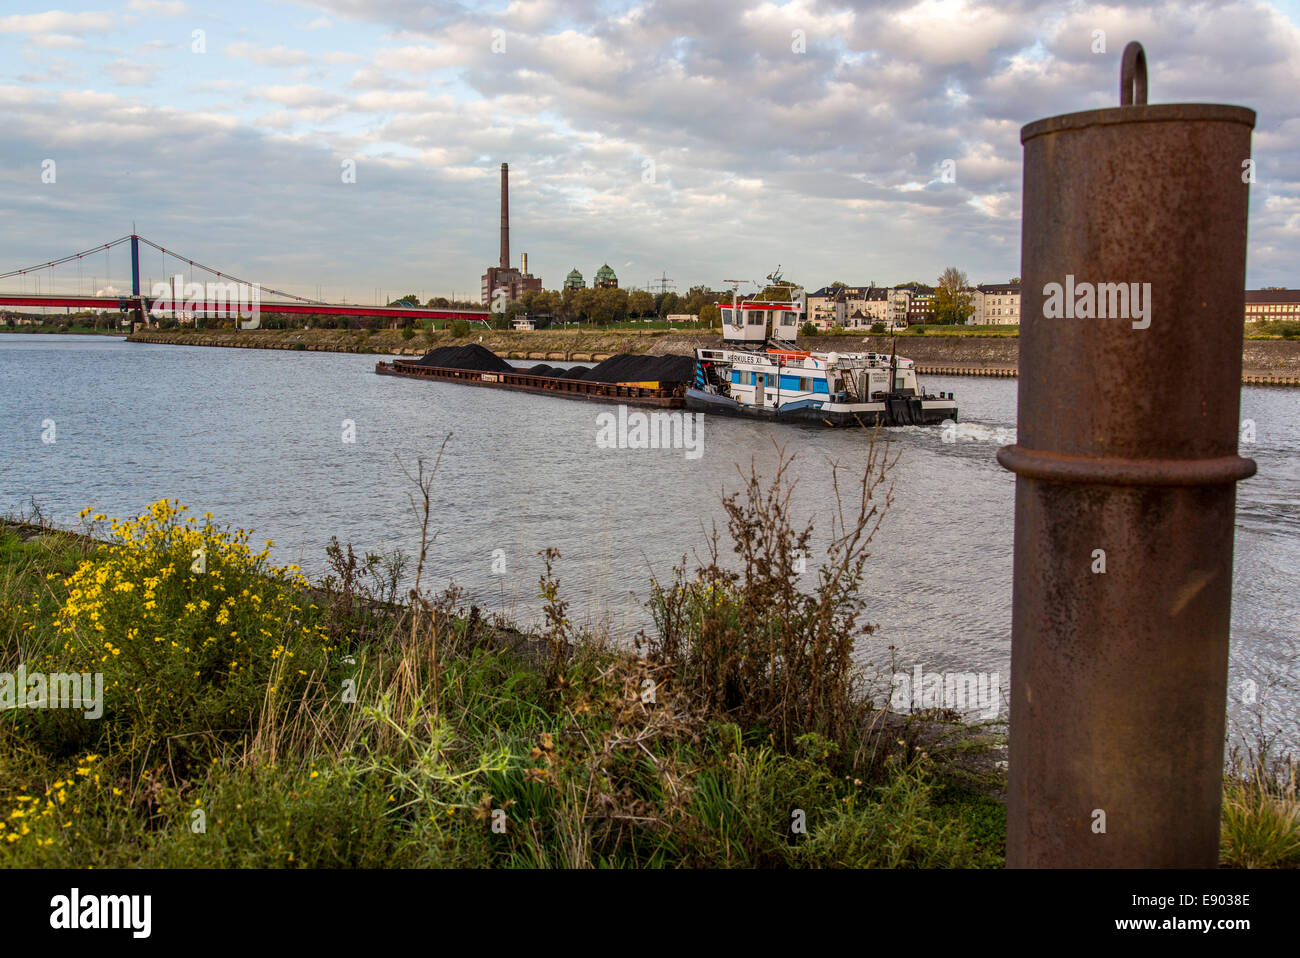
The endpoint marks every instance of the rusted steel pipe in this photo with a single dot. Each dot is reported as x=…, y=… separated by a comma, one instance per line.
x=1126, y=464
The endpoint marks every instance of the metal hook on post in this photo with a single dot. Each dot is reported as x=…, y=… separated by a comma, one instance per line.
x=1133, y=76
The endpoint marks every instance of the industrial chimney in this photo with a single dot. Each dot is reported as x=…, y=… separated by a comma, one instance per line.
x=523, y=267
x=505, y=216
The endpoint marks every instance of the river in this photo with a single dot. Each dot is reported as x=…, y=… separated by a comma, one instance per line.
x=256, y=437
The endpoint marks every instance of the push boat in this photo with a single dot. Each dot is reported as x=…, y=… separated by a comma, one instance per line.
x=759, y=373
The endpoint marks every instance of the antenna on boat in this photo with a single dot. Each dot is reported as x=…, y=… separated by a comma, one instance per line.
x=735, y=289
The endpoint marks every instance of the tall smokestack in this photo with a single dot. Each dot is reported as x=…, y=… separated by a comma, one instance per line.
x=505, y=216
x=523, y=267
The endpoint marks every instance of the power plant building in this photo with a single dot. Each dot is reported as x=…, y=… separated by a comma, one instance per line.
x=515, y=282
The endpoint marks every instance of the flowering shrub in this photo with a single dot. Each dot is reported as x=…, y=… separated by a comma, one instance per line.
x=192, y=629
x=37, y=819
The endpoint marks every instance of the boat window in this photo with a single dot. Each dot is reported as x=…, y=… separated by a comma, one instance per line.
x=757, y=317
x=726, y=316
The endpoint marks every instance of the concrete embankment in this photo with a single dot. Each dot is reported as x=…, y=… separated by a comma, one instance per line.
x=1265, y=362
x=565, y=345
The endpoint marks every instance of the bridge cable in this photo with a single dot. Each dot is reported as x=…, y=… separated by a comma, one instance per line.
x=267, y=289
x=65, y=259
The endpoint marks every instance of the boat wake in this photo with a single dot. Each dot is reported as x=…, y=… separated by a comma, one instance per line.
x=963, y=432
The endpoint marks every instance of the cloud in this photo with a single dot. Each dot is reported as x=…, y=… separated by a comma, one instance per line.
x=56, y=21
x=826, y=160
x=130, y=73
x=276, y=56
x=158, y=8
x=296, y=95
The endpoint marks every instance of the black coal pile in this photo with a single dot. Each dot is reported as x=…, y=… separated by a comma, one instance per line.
x=630, y=368
x=553, y=372
x=471, y=356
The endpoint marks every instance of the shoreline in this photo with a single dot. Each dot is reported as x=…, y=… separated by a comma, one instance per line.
x=1264, y=362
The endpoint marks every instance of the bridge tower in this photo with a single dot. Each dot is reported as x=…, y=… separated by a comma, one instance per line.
x=137, y=305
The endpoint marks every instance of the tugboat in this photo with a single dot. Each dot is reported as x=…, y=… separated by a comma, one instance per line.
x=761, y=374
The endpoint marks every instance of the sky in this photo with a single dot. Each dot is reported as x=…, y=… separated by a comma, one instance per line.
x=351, y=148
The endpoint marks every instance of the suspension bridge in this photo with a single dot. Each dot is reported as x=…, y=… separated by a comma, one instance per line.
x=226, y=299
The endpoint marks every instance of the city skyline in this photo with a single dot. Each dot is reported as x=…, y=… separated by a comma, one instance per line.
x=346, y=146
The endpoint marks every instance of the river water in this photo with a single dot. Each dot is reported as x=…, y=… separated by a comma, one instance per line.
x=256, y=437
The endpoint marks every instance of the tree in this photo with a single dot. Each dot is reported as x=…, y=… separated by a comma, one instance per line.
x=710, y=317
x=583, y=303
x=669, y=303
x=608, y=306
x=952, y=301
x=640, y=303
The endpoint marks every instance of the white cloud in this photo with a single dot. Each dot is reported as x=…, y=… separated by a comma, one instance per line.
x=56, y=21
x=296, y=95
x=276, y=56
x=808, y=157
x=158, y=8
x=130, y=73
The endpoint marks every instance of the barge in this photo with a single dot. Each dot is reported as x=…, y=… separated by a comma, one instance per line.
x=664, y=395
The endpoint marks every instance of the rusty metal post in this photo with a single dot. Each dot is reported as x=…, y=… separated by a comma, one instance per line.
x=1126, y=463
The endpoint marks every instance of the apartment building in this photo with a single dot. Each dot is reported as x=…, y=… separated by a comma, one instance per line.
x=858, y=307
x=996, y=304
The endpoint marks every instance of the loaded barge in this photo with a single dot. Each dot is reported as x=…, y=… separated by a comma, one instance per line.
x=665, y=395
x=759, y=373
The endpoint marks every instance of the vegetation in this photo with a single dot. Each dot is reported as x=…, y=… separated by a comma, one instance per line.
x=953, y=303
x=1281, y=329
x=252, y=718
x=934, y=329
x=1261, y=813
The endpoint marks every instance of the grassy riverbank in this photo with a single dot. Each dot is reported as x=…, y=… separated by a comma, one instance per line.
x=58, y=329
x=253, y=718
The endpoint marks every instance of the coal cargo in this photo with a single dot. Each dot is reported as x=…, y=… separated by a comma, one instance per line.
x=472, y=356
x=631, y=368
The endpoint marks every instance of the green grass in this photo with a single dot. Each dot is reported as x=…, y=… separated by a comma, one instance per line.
x=931, y=329
x=57, y=328
x=448, y=734
x=1281, y=329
